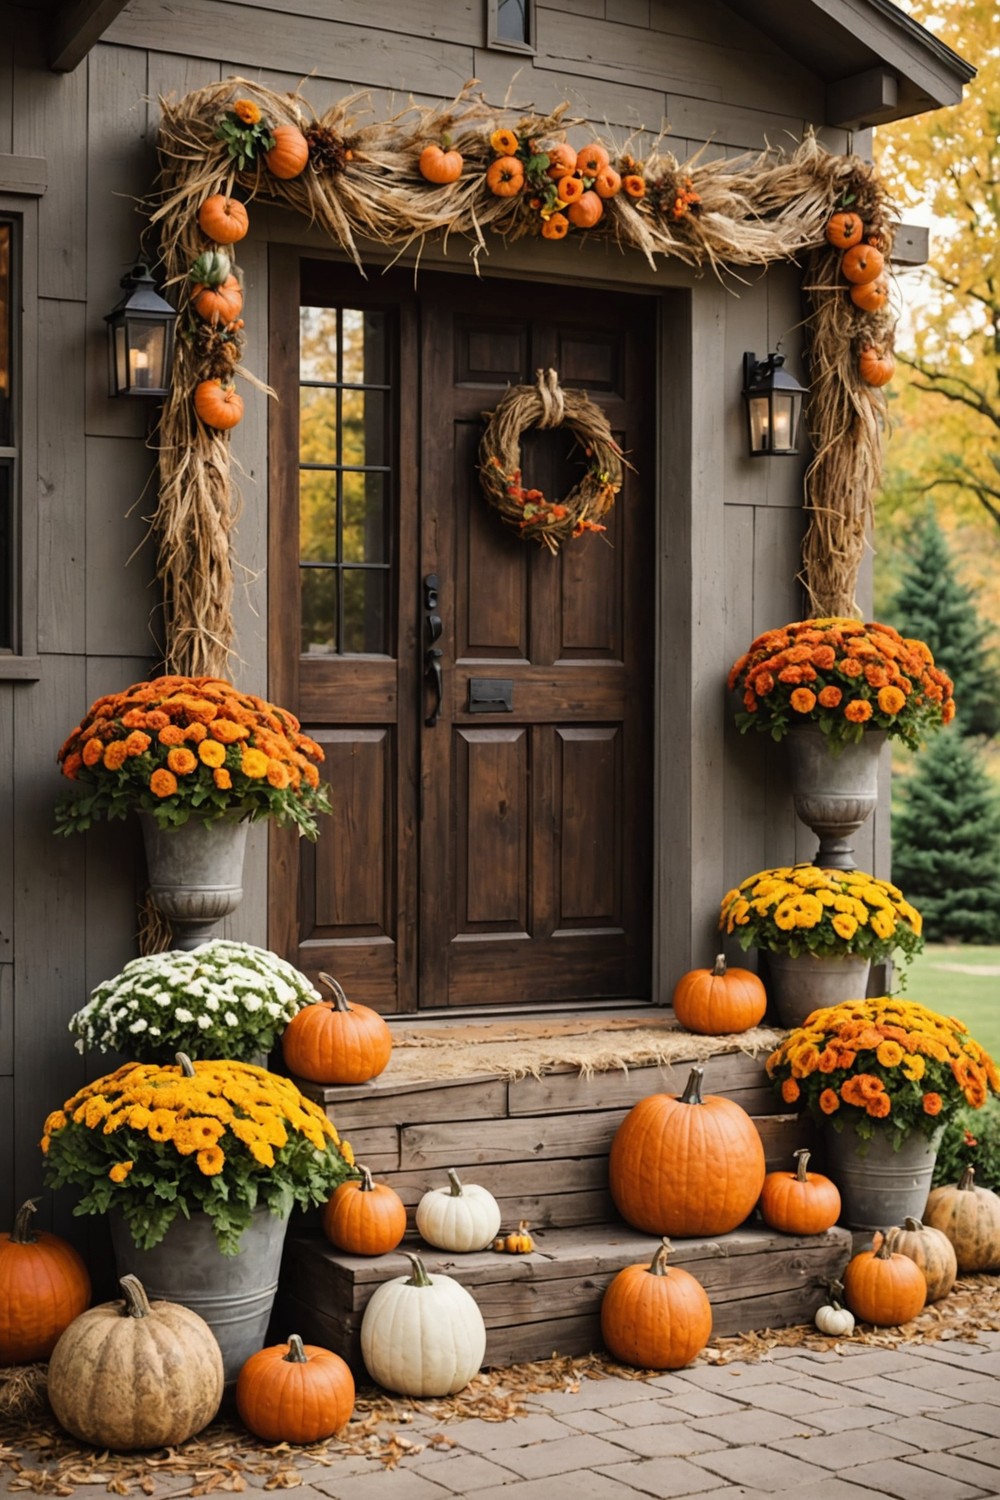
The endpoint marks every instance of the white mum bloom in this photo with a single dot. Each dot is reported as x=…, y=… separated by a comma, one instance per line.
x=182, y=1014
x=139, y=1025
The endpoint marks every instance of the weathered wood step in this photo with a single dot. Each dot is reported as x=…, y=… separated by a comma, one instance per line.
x=548, y=1302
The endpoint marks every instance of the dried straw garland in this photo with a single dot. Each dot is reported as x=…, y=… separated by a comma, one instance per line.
x=527, y=512
x=363, y=183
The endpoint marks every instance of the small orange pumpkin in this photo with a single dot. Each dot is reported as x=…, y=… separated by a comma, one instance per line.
x=364, y=1217
x=440, y=165
x=334, y=1041
x=218, y=405
x=591, y=159
x=218, y=304
x=607, y=183
x=586, y=211
x=634, y=185
x=844, y=230
x=875, y=367
x=289, y=154
x=562, y=161
x=44, y=1286
x=571, y=189
x=656, y=1317
x=871, y=296
x=861, y=264
x=224, y=220
x=717, y=1001
x=505, y=177
x=799, y=1202
x=295, y=1393
x=884, y=1288
x=555, y=227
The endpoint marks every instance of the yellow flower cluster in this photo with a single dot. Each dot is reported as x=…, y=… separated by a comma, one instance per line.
x=885, y=1057
x=224, y=1106
x=798, y=908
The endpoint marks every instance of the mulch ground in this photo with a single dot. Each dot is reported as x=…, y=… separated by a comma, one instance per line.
x=38, y=1457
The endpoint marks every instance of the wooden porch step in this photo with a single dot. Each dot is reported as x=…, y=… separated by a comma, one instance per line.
x=549, y=1302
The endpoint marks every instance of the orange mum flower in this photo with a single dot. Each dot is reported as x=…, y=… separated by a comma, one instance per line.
x=137, y=743
x=72, y=764
x=803, y=700
x=228, y=731
x=92, y=752
x=859, y=711
x=195, y=733
x=171, y=734
x=115, y=755
x=246, y=111
x=828, y=1101
x=829, y=697
x=254, y=764
x=634, y=185
x=277, y=775
x=162, y=783
x=933, y=1104
x=211, y=753
x=182, y=761
x=222, y=779
x=850, y=666
x=823, y=657
x=504, y=142
x=891, y=700
x=790, y=1091
x=879, y=1107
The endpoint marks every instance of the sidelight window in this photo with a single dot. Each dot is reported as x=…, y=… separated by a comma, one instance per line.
x=346, y=480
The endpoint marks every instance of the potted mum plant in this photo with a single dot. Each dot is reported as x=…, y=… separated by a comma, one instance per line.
x=198, y=1166
x=198, y=760
x=221, y=999
x=821, y=930
x=835, y=690
x=885, y=1076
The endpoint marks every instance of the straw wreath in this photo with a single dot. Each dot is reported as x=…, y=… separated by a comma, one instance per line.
x=526, y=511
x=363, y=184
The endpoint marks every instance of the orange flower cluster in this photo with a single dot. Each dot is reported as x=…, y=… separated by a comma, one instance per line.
x=183, y=747
x=841, y=675
x=888, y=1059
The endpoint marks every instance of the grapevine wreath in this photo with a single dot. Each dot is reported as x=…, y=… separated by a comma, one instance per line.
x=526, y=511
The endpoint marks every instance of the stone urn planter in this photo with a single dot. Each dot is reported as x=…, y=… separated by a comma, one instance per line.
x=834, y=788
x=195, y=874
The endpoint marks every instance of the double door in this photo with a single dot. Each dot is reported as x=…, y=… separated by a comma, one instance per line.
x=484, y=707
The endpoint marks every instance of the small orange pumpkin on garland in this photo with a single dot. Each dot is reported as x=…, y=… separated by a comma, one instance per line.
x=876, y=366
x=527, y=512
x=440, y=163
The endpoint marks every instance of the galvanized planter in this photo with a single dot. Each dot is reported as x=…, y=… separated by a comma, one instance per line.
x=798, y=986
x=233, y=1293
x=833, y=793
x=880, y=1186
x=195, y=874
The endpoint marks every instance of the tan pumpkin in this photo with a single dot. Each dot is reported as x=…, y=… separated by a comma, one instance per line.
x=720, y=1000
x=932, y=1251
x=364, y=1217
x=135, y=1374
x=222, y=219
x=686, y=1165
x=875, y=367
x=799, y=1202
x=295, y=1393
x=218, y=405
x=882, y=1287
x=289, y=154
x=44, y=1285
x=336, y=1041
x=862, y=263
x=656, y=1317
x=970, y=1217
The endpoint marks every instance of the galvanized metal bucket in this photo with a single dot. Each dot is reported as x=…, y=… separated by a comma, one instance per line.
x=798, y=986
x=880, y=1186
x=233, y=1293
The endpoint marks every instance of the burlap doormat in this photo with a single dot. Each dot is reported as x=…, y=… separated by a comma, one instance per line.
x=519, y=1049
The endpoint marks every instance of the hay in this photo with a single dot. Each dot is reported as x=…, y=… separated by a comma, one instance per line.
x=363, y=184
x=526, y=512
x=515, y=1053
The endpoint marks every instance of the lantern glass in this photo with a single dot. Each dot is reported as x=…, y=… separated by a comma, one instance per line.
x=141, y=339
x=774, y=405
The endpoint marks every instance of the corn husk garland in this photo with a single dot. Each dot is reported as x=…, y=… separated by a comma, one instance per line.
x=363, y=184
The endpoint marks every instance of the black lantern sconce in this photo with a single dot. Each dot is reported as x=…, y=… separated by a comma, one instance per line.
x=774, y=405
x=140, y=338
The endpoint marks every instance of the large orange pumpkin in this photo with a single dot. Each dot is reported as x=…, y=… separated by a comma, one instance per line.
x=295, y=1393
x=717, y=1001
x=44, y=1286
x=290, y=152
x=884, y=1288
x=364, y=1217
x=656, y=1317
x=686, y=1165
x=799, y=1202
x=334, y=1041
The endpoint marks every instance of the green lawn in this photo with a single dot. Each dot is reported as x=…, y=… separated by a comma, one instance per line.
x=960, y=981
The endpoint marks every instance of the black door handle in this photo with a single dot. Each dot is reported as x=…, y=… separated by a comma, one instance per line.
x=432, y=664
x=433, y=627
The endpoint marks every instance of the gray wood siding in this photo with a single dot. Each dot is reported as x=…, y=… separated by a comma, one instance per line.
x=729, y=528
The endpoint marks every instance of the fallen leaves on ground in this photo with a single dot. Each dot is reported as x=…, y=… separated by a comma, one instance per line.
x=38, y=1457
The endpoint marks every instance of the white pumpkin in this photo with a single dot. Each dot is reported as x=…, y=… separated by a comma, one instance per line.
x=422, y=1335
x=458, y=1217
x=834, y=1320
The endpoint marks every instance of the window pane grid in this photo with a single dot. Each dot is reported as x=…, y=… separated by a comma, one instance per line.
x=345, y=544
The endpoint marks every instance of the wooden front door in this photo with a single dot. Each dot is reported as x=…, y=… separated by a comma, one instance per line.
x=485, y=708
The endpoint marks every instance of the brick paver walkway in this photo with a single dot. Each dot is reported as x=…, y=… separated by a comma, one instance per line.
x=917, y=1422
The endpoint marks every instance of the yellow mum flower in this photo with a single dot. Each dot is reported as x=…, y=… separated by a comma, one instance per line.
x=161, y=1125
x=786, y=915
x=211, y=753
x=120, y=1170
x=890, y=1054
x=883, y=923
x=844, y=925
x=254, y=764
x=55, y=1121
x=211, y=1160
x=262, y=1153
x=913, y=1068
x=347, y=1152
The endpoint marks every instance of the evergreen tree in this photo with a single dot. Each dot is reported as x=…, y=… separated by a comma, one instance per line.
x=946, y=843
x=935, y=606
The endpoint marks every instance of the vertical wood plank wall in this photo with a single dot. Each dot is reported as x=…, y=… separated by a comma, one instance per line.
x=729, y=528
